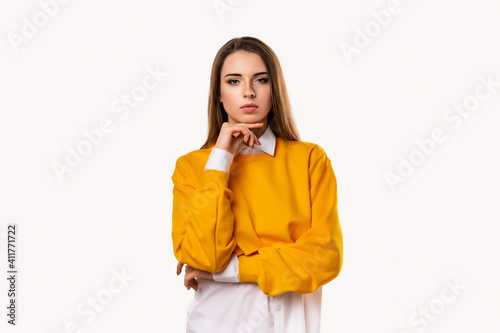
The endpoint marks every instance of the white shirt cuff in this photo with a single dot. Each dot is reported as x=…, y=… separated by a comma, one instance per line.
x=230, y=273
x=219, y=159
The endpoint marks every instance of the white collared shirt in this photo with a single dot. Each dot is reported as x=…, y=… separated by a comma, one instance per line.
x=225, y=305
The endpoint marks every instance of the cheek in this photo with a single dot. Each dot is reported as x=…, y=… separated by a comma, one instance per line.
x=266, y=93
x=225, y=97
x=229, y=95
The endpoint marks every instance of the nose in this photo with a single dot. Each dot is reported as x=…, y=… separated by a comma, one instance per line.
x=249, y=91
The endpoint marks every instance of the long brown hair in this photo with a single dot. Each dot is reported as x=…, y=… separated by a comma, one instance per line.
x=279, y=117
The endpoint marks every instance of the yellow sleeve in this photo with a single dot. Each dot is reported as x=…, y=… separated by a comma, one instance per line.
x=316, y=257
x=202, y=219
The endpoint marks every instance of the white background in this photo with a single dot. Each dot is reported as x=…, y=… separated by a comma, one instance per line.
x=112, y=213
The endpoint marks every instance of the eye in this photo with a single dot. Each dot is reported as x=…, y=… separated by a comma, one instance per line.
x=262, y=80
x=231, y=81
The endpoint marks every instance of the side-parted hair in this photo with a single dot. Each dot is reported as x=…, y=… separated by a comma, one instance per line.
x=279, y=117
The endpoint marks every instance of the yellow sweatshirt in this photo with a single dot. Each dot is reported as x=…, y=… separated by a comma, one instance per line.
x=277, y=213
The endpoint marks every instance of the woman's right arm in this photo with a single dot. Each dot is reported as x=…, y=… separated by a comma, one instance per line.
x=202, y=219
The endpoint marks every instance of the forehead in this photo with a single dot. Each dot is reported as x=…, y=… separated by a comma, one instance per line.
x=243, y=62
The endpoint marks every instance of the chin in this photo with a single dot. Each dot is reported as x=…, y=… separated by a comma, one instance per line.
x=248, y=119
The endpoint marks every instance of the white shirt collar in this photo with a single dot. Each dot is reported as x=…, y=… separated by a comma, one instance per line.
x=267, y=141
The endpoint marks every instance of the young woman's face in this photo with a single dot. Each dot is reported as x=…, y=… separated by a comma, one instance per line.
x=244, y=79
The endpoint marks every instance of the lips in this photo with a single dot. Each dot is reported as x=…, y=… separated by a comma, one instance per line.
x=249, y=107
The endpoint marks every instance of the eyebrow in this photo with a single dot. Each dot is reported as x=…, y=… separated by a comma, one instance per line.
x=237, y=74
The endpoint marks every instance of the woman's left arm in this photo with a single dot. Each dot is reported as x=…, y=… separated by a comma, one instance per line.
x=316, y=257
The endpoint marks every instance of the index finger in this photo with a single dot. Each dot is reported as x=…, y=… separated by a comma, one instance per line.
x=252, y=124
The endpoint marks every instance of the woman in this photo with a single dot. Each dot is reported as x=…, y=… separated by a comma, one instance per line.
x=254, y=209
